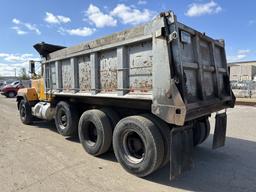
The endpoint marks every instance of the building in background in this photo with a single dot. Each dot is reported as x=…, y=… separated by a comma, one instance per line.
x=242, y=71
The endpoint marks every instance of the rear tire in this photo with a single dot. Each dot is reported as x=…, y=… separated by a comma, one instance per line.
x=25, y=112
x=66, y=119
x=165, y=132
x=201, y=131
x=138, y=145
x=95, y=132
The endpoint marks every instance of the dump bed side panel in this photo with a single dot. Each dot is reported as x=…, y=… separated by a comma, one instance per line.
x=84, y=73
x=97, y=72
x=67, y=79
x=108, y=70
x=140, y=67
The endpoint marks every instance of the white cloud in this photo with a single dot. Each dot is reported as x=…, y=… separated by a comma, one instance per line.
x=16, y=21
x=85, y=31
x=241, y=54
x=19, y=31
x=27, y=55
x=198, y=9
x=14, y=58
x=96, y=16
x=17, y=57
x=9, y=69
x=130, y=15
x=244, y=51
x=21, y=26
x=4, y=54
x=142, y=2
x=11, y=62
x=56, y=19
x=32, y=27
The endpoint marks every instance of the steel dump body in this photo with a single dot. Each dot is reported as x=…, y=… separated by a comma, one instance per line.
x=180, y=72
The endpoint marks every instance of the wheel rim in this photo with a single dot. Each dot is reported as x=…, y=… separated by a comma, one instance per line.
x=11, y=94
x=62, y=119
x=134, y=147
x=90, y=134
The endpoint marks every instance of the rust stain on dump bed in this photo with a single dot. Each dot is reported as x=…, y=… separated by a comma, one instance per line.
x=84, y=68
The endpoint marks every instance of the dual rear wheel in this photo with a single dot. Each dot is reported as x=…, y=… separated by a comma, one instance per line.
x=137, y=140
x=138, y=145
x=95, y=131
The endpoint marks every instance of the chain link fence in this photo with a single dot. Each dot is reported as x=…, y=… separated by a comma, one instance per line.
x=244, y=89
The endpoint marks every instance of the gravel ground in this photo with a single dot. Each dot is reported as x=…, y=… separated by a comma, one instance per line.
x=36, y=158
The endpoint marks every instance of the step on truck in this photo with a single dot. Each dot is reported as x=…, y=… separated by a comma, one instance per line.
x=147, y=92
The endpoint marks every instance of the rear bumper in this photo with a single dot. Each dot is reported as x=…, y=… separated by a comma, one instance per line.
x=3, y=93
x=203, y=109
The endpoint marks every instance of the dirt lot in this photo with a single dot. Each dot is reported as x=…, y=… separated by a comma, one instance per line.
x=36, y=158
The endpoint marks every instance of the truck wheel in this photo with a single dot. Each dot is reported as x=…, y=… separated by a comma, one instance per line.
x=165, y=132
x=201, y=131
x=11, y=94
x=66, y=119
x=95, y=132
x=25, y=112
x=138, y=145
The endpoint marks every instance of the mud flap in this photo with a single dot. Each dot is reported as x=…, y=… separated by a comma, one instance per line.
x=219, y=136
x=181, y=146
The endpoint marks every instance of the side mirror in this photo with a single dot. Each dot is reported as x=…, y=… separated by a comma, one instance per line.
x=32, y=67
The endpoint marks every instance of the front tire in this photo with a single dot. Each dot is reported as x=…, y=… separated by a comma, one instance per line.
x=66, y=119
x=25, y=112
x=138, y=145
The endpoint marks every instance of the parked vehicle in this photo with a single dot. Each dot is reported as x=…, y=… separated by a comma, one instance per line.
x=9, y=81
x=11, y=90
x=147, y=91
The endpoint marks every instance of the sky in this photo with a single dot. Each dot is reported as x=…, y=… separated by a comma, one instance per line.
x=24, y=23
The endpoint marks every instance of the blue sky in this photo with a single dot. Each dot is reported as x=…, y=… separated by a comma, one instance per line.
x=69, y=22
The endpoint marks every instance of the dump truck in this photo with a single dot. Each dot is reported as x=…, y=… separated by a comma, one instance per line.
x=146, y=92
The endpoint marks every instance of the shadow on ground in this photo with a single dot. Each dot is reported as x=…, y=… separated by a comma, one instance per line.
x=51, y=126
x=45, y=125
x=109, y=156
x=230, y=168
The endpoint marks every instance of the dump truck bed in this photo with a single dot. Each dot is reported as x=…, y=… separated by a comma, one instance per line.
x=180, y=71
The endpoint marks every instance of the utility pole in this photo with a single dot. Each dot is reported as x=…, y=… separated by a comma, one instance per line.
x=14, y=72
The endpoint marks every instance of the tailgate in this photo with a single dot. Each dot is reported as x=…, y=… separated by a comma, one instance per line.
x=201, y=69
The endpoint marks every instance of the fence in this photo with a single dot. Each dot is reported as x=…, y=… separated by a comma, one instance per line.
x=244, y=88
